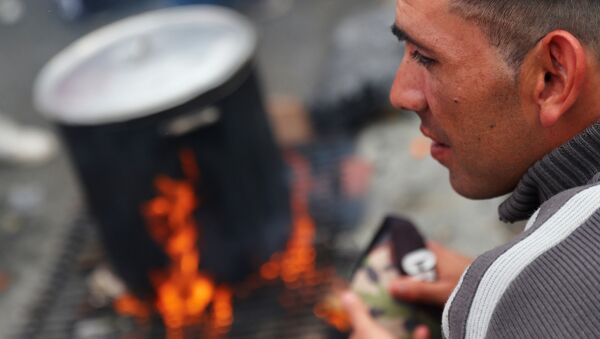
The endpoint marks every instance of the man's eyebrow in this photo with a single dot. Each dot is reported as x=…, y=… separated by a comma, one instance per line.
x=403, y=36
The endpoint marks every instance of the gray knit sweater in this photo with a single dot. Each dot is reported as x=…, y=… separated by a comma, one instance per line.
x=546, y=282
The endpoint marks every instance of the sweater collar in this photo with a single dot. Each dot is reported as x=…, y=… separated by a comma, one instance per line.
x=573, y=164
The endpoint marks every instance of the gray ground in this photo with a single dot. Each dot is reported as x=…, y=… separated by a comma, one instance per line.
x=37, y=204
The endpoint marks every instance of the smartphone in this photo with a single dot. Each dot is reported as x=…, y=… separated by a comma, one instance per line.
x=397, y=249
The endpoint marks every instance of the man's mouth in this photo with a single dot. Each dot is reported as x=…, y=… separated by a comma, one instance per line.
x=436, y=140
x=440, y=150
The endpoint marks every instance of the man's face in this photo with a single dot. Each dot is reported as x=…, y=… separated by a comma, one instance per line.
x=467, y=98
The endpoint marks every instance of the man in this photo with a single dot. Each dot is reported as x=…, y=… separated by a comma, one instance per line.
x=508, y=91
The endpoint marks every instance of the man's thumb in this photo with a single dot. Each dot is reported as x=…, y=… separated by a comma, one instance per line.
x=412, y=290
x=356, y=310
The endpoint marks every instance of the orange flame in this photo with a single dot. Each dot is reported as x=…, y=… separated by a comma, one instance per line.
x=296, y=265
x=330, y=309
x=183, y=293
x=222, y=309
x=131, y=306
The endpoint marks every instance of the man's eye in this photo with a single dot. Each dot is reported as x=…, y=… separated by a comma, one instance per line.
x=420, y=58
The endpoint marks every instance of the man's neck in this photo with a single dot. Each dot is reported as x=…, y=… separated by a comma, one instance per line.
x=573, y=164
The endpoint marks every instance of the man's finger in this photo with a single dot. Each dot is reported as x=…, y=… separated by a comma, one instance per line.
x=356, y=310
x=421, y=332
x=412, y=290
x=435, y=247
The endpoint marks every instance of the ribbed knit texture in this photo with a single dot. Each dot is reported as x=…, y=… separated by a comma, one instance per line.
x=554, y=290
x=559, y=296
x=573, y=164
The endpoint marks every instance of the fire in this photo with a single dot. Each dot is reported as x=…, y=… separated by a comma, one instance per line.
x=222, y=309
x=296, y=266
x=332, y=311
x=130, y=305
x=183, y=293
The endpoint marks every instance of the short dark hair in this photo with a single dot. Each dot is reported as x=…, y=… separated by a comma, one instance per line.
x=515, y=26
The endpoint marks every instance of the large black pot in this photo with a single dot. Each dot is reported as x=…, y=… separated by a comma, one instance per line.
x=131, y=97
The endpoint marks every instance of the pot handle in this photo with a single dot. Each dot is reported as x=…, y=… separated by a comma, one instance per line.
x=188, y=123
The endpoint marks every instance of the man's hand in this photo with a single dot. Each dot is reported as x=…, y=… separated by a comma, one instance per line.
x=365, y=327
x=450, y=266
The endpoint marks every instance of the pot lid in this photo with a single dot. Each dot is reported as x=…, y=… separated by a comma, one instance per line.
x=144, y=64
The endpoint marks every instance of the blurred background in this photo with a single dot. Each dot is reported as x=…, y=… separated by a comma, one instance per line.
x=326, y=156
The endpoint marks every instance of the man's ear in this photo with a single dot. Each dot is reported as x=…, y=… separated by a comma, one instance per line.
x=561, y=70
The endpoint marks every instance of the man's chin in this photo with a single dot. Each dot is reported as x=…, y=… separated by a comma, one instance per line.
x=477, y=190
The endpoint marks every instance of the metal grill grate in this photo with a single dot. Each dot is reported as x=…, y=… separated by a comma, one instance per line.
x=63, y=309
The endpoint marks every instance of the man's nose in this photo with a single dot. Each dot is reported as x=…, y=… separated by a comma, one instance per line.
x=407, y=90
